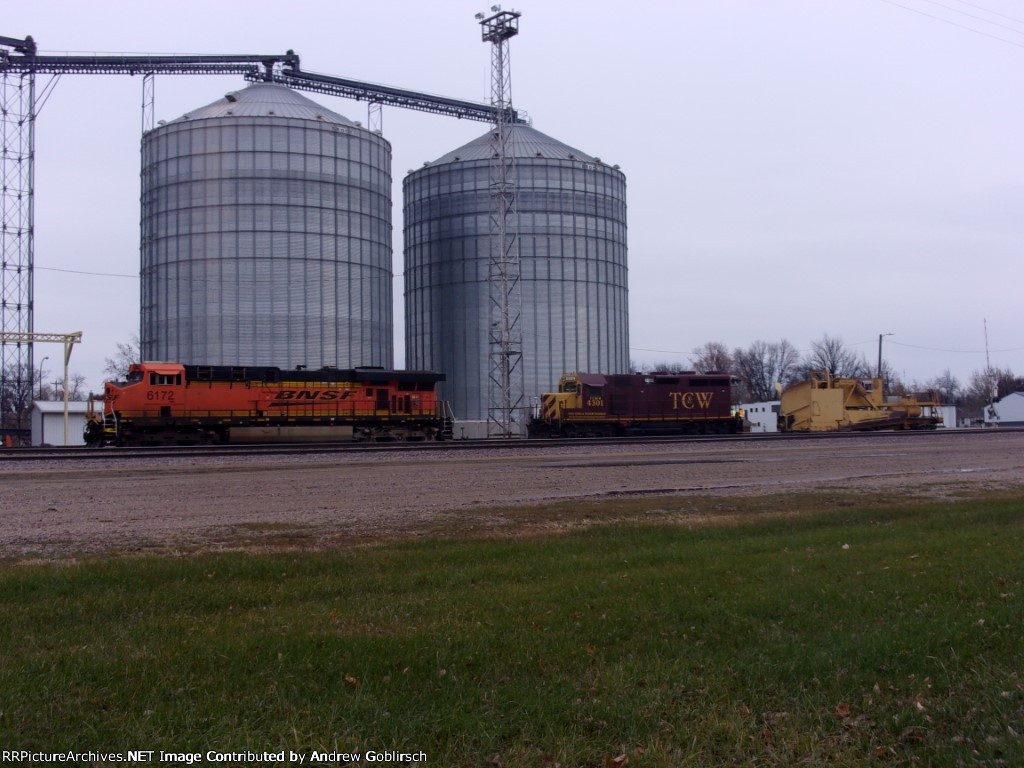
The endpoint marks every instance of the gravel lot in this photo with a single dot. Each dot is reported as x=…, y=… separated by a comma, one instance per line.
x=78, y=507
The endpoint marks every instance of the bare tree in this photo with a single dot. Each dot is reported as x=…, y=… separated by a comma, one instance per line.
x=127, y=354
x=991, y=384
x=947, y=385
x=1007, y=383
x=762, y=365
x=830, y=354
x=77, y=389
x=713, y=356
x=892, y=384
x=665, y=366
x=15, y=394
x=980, y=391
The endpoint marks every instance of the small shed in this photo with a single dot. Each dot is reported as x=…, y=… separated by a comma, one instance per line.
x=48, y=422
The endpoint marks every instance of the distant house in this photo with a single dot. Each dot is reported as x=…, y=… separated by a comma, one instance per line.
x=48, y=422
x=763, y=417
x=1008, y=412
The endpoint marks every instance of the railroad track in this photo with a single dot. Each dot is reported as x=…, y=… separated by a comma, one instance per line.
x=223, y=451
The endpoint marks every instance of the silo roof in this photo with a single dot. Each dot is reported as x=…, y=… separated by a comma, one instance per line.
x=525, y=142
x=263, y=100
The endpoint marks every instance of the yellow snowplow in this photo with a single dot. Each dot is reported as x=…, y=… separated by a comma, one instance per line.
x=823, y=403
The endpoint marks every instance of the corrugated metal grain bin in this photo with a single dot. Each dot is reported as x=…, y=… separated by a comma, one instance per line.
x=572, y=236
x=266, y=236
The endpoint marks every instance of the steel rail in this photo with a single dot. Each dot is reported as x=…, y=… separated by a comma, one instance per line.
x=291, y=449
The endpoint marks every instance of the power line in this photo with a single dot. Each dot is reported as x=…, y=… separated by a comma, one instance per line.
x=953, y=23
x=956, y=351
x=857, y=343
x=83, y=272
x=975, y=16
x=989, y=10
x=659, y=351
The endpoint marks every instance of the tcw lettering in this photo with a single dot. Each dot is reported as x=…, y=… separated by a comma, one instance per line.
x=690, y=400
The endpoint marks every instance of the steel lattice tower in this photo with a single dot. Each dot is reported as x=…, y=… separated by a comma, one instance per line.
x=505, y=354
x=17, y=102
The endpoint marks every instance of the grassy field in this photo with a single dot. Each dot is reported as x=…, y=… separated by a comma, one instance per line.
x=859, y=635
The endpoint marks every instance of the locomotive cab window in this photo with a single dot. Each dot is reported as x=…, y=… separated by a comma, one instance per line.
x=164, y=379
x=570, y=388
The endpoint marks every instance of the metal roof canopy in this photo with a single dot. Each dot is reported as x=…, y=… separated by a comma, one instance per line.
x=67, y=339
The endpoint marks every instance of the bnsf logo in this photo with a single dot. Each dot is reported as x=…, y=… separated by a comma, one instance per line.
x=321, y=395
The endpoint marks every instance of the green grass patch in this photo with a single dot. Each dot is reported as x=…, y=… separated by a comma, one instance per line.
x=864, y=636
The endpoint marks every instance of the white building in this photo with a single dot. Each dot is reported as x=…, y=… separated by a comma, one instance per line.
x=763, y=417
x=48, y=422
x=948, y=414
x=1008, y=412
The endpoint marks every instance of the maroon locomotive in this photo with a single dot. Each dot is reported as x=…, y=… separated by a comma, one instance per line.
x=606, y=405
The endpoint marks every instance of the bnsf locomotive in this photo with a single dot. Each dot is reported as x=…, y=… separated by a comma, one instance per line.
x=598, y=405
x=171, y=403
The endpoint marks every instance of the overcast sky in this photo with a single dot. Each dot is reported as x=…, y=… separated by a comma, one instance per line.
x=794, y=167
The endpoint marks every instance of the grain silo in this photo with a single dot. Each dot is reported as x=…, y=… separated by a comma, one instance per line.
x=572, y=237
x=266, y=236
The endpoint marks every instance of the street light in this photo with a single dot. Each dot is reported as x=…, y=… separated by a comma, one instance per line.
x=47, y=357
x=879, y=374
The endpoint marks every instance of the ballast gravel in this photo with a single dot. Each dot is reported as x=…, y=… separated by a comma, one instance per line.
x=82, y=508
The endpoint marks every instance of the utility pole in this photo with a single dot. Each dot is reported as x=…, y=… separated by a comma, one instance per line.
x=506, y=382
x=41, y=364
x=990, y=380
x=879, y=373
